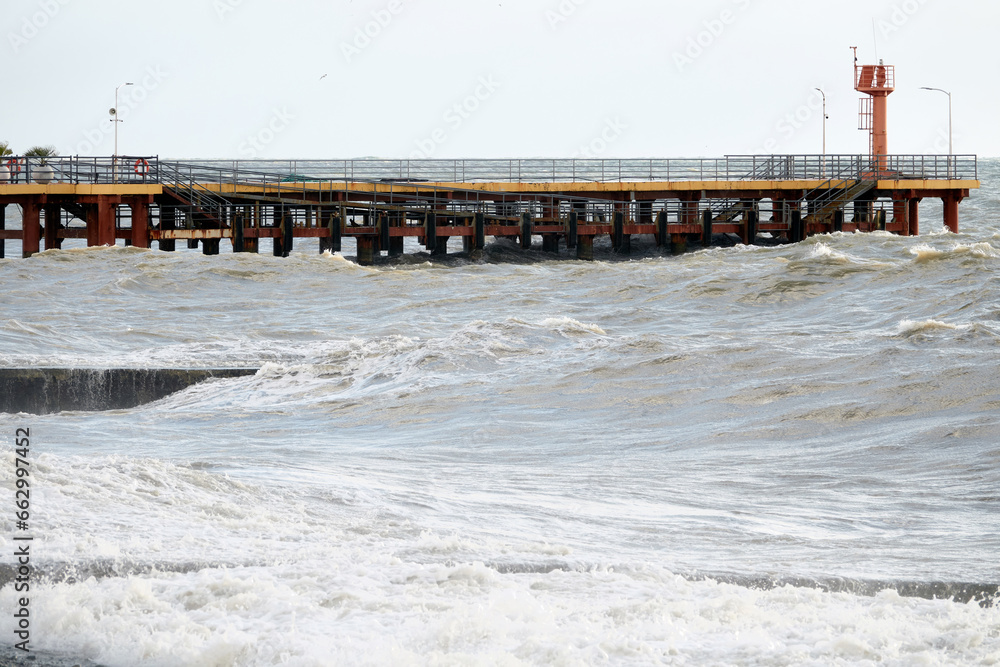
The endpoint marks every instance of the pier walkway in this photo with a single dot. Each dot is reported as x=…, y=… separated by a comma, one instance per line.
x=142, y=200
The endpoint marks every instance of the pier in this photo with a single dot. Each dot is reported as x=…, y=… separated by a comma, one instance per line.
x=456, y=205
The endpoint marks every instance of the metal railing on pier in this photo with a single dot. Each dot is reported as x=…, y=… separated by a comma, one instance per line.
x=146, y=169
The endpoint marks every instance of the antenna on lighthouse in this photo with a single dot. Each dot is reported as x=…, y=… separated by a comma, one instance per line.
x=875, y=38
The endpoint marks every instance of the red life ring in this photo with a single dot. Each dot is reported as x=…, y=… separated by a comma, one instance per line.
x=141, y=167
x=14, y=165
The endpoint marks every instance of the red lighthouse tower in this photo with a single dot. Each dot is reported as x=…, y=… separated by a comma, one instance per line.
x=876, y=81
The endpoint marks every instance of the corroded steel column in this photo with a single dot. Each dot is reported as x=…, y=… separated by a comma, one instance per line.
x=951, y=211
x=52, y=225
x=30, y=227
x=140, y=221
x=914, y=215
x=101, y=222
x=901, y=213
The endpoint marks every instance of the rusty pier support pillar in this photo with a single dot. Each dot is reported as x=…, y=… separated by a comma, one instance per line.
x=901, y=214
x=621, y=242
x=238, y=243
x=914, y=215
x=862, y=211
x=3, y=226
x=140, y=221
x=479, y=238
x=526, y=231
x=30, y=228
x=430, y=231
x=585, y=247
x=366, y=250
x=283, y=242
x=796, y=229
x=706, y=227
x=751, y=223
x=168, y=221
x=101, y=221
x=325, y=242
x=951, y=202
x=441, y=242
x=396, y=242
x=576, y=216
x=251, y=220
x=53, y=223
x=838, y=220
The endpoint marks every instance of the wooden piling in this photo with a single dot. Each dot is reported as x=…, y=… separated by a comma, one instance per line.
x=706, y=227
x=3, y=227
x=585, y=247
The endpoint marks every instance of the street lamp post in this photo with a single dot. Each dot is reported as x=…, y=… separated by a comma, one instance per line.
x=824, y=129
x=116, y=120
x=951, y=147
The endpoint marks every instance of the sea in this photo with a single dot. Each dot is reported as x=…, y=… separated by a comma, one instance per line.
x=744, y=455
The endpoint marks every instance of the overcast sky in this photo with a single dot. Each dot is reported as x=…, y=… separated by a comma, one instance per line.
x=491, y=78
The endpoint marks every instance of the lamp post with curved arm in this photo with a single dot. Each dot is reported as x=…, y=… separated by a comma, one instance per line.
x=116, y=120
x=951, y=148
x=824, y=129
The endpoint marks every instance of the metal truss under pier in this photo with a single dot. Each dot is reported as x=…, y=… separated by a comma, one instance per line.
x=142, y=200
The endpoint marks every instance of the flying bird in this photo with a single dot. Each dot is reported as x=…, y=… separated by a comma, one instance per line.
x=322, y=77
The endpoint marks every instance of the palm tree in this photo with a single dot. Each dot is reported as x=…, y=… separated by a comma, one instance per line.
x=5, y=149
x=41, y=152
x=43, y=173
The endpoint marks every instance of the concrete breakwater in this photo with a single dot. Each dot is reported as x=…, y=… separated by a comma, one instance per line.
x=48, y=390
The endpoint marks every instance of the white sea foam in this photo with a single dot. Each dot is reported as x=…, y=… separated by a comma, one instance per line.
x=197, y=568
x=378, y=610
x=911, y=327
x=982, y=250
